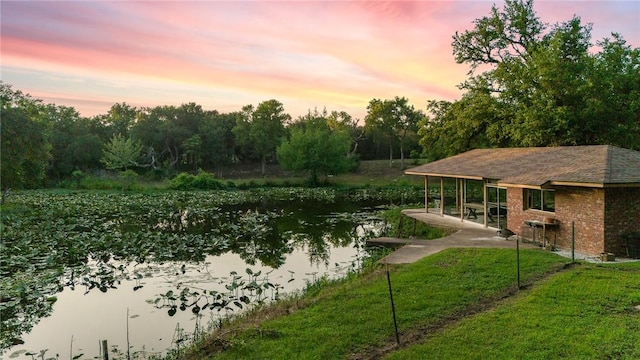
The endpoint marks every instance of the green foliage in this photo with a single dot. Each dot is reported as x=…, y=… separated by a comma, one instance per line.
x=121, y=153
x=129, y=179
x=394, y=119
x=78, y=176
x=540, y=86
x=259, y=131
x=202, y=181
x=76, y=142
x=401, y=226
x=120, y=118
x=193, y=149
x=475, y=121
x=315, y=149
x=123, y=180
x=185, y=135
x=24, y=149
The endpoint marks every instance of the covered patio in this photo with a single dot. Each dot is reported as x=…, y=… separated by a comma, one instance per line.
x=583, y=196
x=466, y=198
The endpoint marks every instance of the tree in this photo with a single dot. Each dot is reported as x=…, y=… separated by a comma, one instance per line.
x=614, y=94
x=193, y=150
x=539, y=85
x=342, y=121
x=396, y=119
x=163, y=131
x=24, y=150
x=260, y=131
x=314, y=148
x=120, y=118
x=121, y=152
x=149, y=130
x=475, y=121
x=76, y=142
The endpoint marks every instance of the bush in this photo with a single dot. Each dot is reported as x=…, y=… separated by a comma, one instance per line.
x=206, y=181
x=78, y=176
x=128, y=179
x=202, y=181
x=183, y=181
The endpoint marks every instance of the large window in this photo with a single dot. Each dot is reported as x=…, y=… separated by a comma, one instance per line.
x=544, y=200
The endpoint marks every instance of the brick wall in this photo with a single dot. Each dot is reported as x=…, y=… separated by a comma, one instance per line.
x=583, y=206
x=622, y=215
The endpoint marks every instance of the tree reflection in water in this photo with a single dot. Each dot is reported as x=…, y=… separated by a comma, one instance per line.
x=95, y=241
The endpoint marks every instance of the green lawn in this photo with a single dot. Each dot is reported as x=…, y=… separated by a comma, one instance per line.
x=354, y=317
x=587, y=312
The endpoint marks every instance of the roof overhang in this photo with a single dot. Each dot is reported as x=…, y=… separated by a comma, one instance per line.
x=546, y=185
x=553, y=184
x=471, y=177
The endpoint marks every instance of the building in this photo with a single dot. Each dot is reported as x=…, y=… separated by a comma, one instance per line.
x=553, y=195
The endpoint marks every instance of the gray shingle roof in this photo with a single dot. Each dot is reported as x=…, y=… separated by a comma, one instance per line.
x=591, y=165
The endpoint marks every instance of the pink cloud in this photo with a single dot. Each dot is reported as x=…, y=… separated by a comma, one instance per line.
x=335, y=54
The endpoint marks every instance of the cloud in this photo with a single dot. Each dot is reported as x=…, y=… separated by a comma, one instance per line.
x=338, y=54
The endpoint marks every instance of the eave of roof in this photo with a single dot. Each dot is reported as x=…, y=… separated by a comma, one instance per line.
x=588, y=166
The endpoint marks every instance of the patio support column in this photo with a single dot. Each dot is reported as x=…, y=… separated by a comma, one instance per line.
x=461, y=196
x=485, y=196
x=426, y=194
x=442, y=196
x=457, y=198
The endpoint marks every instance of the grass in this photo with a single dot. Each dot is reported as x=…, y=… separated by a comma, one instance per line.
x=370, y=173
x=353, y=318
x=374, y=173
x=404, y=227
x=379, y=173
x=585, y=313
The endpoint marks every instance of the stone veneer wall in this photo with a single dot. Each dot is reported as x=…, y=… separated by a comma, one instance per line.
x=622, y=216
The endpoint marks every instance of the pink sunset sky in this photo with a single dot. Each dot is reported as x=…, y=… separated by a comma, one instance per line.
x=223, y=55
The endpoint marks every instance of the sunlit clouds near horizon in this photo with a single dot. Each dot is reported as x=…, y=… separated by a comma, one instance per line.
x=223, y=55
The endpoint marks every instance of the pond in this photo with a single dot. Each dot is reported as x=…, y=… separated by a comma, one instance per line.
x=152, y=272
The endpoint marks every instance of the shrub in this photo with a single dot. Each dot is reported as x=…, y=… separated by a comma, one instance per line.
x=78, y=176
x=182, y=181
x=129, y=179
x=206, y=181
x=202, y=181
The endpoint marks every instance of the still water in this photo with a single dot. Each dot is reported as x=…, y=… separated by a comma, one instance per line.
x=79, y=321
x=151, y=273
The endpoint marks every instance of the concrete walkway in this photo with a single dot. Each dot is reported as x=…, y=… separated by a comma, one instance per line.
x=468, y=234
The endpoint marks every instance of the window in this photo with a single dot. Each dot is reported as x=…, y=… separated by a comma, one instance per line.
x=540, y=200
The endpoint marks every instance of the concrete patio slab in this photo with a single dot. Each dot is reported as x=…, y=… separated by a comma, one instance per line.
x=467, y=234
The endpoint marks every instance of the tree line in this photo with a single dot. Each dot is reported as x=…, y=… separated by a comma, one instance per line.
x=44, y=143
x=529, y=84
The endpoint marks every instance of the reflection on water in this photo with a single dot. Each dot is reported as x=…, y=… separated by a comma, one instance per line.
x=75, y=270
x=103, y=316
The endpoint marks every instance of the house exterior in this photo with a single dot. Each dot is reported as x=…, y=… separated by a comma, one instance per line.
x=588, y=195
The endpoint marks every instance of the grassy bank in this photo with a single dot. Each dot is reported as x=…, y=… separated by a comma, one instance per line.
x=352, y=319
x=585, y=313
x=401, y=226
